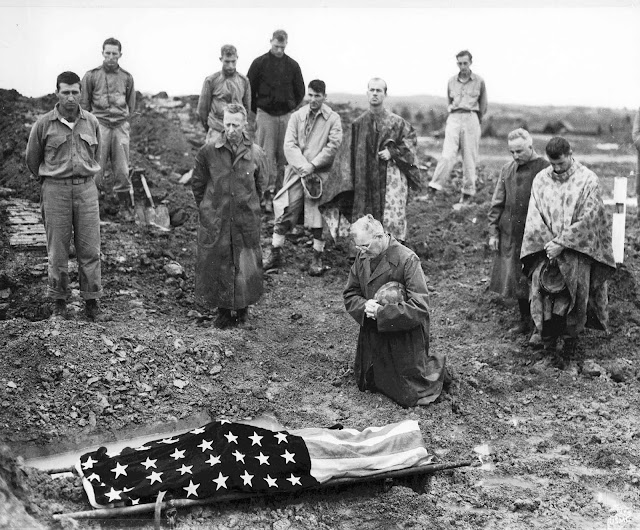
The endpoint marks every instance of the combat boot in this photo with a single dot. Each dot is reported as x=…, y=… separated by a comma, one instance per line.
x=315, y=269
x=59, y=310
x=224, y=319
x=94, y=313
x=125, y=208
x=273, y=260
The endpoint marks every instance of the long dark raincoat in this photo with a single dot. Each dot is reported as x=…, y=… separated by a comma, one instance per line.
x=227, y=190
x=393, y=351
x=507, y=216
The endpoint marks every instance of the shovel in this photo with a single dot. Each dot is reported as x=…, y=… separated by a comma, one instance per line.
x=156, y=216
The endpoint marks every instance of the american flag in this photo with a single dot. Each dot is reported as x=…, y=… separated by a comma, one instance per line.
x=223, y=457
x=220, y=457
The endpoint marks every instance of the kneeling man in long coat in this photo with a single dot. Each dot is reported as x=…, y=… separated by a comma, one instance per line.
x=227, y=185
x=393, y=345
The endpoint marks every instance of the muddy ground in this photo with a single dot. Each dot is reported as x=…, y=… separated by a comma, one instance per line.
x=564, y=443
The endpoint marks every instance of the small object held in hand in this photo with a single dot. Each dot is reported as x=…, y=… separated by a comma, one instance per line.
x=551, y=279
x=391, y=293
x=312, y=185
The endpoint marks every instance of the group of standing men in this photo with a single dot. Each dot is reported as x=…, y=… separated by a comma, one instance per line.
x=549, y=228
x=373, y=169
x=554, y=225
x=375, y=165
x=68, y=153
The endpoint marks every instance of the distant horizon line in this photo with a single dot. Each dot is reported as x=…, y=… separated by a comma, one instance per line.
x=354, y=95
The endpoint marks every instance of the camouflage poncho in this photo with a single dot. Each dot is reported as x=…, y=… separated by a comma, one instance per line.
x=567, y=208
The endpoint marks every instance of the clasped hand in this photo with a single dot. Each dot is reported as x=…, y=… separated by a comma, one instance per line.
x=385, y=154
x=371, y=308
x=553, y=249
x=307, y=169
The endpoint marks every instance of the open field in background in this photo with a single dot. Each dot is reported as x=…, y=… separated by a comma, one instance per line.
x=606, y=163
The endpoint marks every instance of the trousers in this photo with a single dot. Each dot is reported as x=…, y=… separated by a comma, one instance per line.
x=114, y=148
x=67, y=207
x=270, y=131
x=462, y=133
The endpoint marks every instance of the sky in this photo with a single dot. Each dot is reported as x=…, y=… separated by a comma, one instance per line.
x=563, y=52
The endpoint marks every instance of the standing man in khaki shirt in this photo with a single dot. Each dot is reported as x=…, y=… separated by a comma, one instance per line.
x=467, y=98
x=62, y=154
x=108, y=93
x=221, y=89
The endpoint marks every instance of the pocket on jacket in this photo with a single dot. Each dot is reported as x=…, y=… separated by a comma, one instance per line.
x=56, y=150
x=89, y=145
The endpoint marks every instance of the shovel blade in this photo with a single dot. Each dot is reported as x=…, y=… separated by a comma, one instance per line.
x=162, y=217
x=157, y=217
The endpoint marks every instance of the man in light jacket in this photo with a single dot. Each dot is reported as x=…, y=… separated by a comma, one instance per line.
x=313, y=136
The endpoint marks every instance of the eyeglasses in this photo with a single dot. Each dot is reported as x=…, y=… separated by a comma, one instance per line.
x=364, y=248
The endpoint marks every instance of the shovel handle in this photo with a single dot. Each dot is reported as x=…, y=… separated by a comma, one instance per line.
x=146, y=191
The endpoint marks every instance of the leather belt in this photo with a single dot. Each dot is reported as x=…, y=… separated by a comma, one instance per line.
x=71, y=180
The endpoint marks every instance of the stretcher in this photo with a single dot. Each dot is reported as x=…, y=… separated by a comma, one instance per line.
x=145, y=479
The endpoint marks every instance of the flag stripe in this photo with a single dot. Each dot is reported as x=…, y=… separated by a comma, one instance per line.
x=350, y=453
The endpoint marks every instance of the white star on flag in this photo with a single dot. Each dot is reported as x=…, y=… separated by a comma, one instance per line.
x=149, y=463
x=262, y=458
x=185, y=469
x=282, y=437
x=255, y=439
x=246, y=478
x=155, y=477
x=239, y=456
x=134, y=502
x=221, y=481
x=231, y=438
x=205, y=445
x=199, y=430
x=126, y=490
x=294, y=480
x=273, y=483
x=142, y=448
x=177, y=455
x=119, y=470
x=89, y=463
x=213, y=460
x=288, y=457
x=169, y=441
x=114, y=495
x=93, y=477
x=191, y=489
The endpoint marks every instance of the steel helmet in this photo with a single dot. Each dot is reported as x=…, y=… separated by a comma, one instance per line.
x=391, y=293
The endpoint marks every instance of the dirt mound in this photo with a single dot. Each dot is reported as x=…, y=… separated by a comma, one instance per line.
x=19, y=113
